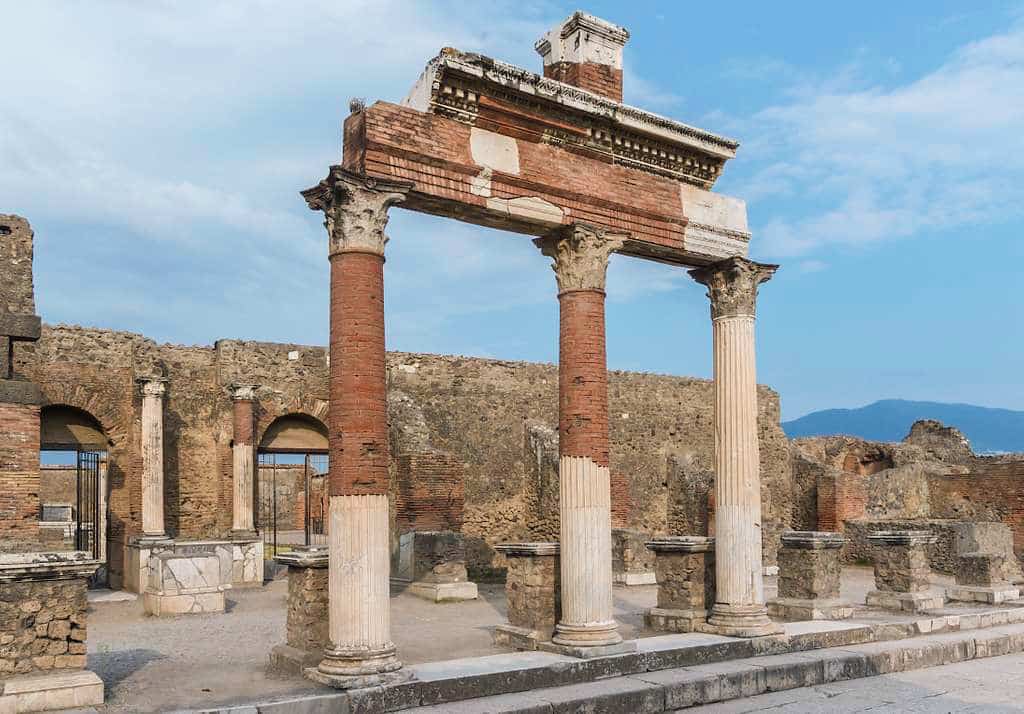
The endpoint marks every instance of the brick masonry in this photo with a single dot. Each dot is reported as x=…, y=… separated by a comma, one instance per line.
x=494, y=420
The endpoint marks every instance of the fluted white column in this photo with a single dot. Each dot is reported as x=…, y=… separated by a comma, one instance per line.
x=359, y=588
x=586, y=546
x=153, y=389
x=740, y=608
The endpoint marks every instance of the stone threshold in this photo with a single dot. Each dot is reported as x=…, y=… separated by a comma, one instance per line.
x=482, y=679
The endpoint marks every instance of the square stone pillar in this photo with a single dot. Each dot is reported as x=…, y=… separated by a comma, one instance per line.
x=902, y=571
x=685, y=569
x=434, y=565
x=980, y=577
x=809, y=572
x=306, y=633
x=632, y=562
x=534, y=593
x=243, y=457
x=43, y=632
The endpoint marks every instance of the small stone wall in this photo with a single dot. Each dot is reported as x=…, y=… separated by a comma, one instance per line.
x=942, y=555
x=42, y=626
x=307, y=609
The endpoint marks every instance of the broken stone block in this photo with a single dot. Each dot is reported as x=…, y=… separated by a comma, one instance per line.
x=902, y=571
x=435, y=563
x=185, y=582
x=809, y=573
x=632, y=562
x=533, y=590
x=685, y=571
x=980, y=577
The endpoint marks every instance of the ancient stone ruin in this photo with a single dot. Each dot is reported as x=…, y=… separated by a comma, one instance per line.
x=354, y=472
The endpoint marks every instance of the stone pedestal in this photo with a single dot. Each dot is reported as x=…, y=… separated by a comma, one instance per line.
x=306, y=634
x=184, y=584
x=433, y=563
x=685, y=569
x=43, y=632
x=902, y=572
x=137, y=552
x=632, y=562
x=809, y=571
x=533, y=590
x=980, y=577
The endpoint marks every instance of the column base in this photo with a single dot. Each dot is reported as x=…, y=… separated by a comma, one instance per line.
x=797, y=609
x=444, y=592
x=740, y=621
x=249, y=534
x=519, y=638
x=904, y=602
x=151, y=540
x=672, y=620
x=588, y=651
x=991, y=594
x=600, y=635
x=356, y=669
x=46, y=692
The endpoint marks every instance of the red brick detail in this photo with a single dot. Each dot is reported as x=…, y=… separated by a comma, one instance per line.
x=358, y=418
x=842, y=496
x=19, y=476
x=432, y=151
x=600, y=79
x=990, y=492
x=582, y=376
x=243, y=421
x=429, y=492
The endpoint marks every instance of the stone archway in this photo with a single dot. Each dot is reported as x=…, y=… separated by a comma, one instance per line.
x=292, y=481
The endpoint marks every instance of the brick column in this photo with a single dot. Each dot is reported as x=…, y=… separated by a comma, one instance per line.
x=739, y=610
x=243, y=451
x=361, y=652
x=580, y=254
x=153, y=389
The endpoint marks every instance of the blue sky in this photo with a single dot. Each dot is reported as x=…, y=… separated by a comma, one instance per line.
x=158, y=149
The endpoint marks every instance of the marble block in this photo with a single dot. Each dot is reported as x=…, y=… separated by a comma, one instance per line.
x=184, y=583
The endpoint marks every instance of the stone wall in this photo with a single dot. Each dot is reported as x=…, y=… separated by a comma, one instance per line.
x=492, y=418
x=19, y=477
x=992, y=490
x=42, y=626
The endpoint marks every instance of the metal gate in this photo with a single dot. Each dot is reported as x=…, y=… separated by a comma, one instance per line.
x=292, y=500
x=87, y=497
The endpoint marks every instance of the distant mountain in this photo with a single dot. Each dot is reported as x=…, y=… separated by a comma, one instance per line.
x=989, y=430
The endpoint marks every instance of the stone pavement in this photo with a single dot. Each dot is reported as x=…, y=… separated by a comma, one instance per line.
x=989, y=685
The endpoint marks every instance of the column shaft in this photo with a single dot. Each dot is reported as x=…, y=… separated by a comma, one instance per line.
x=739, y=608
x=737, y=485
x=153, y=459
x=584, y=479
x=243, y=461
x=361, y=652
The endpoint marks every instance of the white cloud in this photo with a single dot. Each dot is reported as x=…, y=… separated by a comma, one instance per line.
x=859, y=166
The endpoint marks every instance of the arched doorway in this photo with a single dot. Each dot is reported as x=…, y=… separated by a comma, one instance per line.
x=73, y=481
x=292, y=483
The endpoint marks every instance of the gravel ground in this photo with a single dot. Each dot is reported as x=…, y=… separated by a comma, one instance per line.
x=159, y=664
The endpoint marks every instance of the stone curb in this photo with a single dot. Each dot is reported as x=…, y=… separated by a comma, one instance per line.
x=725, y=653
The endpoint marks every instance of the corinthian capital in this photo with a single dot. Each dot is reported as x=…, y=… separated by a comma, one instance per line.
x=243, y=392
x=153, y=386
x=355, y=209
x=732, y=285
x=580, y=253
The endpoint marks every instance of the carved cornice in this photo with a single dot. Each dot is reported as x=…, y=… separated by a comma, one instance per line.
x=580, y=255
x=732, y=285
x=243, y=392
x=355, y=209
x=153, y=386
x=453, y=83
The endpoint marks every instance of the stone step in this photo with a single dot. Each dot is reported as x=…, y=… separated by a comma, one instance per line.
x=680, y=688
x=448, y=682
